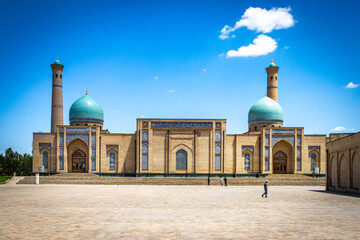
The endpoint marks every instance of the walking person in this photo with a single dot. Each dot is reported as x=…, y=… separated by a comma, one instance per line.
x=225, y=181
x=265, y=188
x=221, y=181
x=208, y=180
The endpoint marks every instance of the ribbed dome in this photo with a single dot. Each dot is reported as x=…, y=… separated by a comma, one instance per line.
x=86, y=109
x=266, y=110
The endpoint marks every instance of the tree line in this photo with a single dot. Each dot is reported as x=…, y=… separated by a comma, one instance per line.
x=14, y=162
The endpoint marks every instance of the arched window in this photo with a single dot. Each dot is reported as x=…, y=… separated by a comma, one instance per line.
x=217, y=149
x=247, y=162
x=255, y=128
x=217, y=136
x=145, y=151
x=313, y=161
x=56, y=75
x=145, y=136
x=46, y=159
x=272, y=78
x=112, y=161
x=181, y=160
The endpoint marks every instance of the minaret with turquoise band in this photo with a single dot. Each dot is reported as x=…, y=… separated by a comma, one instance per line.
x=272, y=88
x=57, y=95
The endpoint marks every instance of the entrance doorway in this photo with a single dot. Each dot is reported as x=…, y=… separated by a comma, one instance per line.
x=79, y=161
x=279, y=163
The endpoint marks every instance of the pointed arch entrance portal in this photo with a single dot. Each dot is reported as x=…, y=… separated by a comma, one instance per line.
x=78, y=161
x=280, y=162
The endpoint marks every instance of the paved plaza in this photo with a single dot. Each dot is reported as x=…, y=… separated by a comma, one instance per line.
x=175, y=212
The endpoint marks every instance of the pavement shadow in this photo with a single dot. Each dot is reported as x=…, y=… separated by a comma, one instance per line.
x=337, y=193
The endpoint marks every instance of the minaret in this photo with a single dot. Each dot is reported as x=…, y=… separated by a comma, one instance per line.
x=272, y=72
x=57, y=96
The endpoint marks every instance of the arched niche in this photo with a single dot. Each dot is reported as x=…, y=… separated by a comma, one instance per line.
x=343, y=171
x=355, y=171
x=173, y=159
x=287, y=149
x=74, y=146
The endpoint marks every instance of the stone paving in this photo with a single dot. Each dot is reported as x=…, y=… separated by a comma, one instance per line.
x=176, y=212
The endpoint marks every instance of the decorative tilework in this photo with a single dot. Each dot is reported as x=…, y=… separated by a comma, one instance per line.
x=61, y=163
x=298, y=168
x=289, y=138
x=217, y=136
x=217, y=149
x=217, y=162
x=247, y=147
x=267, y=130
x=267, y=140
x=144, y=162
x=41, y=145
x=181, y=125
x=61, y=139
x=72, y=136
x=77, y=129
x=299, y=131
x=314, y=147
x=112, y=146
x=145, y=135
x=267, y=164
x=283, y=131
x=93, y=139
x=93, y=164
x=61, y=151
x=61, y=129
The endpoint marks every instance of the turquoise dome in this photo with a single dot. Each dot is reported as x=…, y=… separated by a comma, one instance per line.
x=272, y=64
x=57, y=61
x=86, y=109
x=266, y=110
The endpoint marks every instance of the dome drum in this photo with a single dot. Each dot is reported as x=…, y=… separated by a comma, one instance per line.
x=269, y=121
x=86, y=120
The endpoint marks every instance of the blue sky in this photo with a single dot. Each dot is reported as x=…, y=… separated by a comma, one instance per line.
x=165, y=59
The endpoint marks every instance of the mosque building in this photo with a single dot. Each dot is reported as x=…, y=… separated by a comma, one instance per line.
x=176, y=147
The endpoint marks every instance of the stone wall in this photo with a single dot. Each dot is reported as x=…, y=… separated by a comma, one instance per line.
x=343, y=160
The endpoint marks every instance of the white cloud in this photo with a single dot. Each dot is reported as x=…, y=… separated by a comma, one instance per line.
x=156, y=77
x=204, y=70
x=262, y=45
x=261, y=20
x=171, y=91
x=352, y=85
x=337, y=129
x=115, y=111
x=221, y=54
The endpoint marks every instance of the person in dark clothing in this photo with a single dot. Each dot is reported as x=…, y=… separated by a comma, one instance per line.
x=225, y=180
x=208, y=180
x=265, y=188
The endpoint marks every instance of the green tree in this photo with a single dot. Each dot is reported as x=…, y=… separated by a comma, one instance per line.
x=14, y=162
